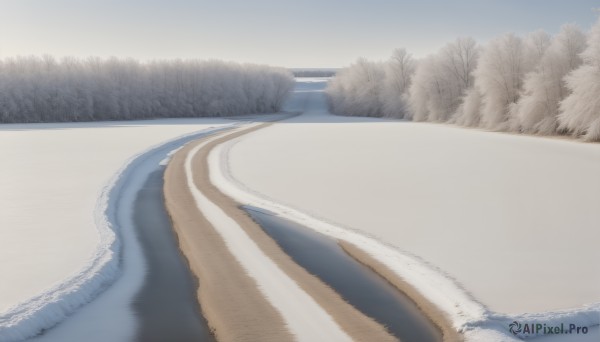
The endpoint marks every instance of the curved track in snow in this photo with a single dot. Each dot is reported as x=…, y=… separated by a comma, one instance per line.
x=466, y=313
x=29, y=318
x=249, y=288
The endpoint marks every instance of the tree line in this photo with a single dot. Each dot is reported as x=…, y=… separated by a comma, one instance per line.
x=537, y=84
x=44, y=89
x=315, y=72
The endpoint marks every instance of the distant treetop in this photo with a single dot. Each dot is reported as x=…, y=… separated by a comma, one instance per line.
x=313, y=72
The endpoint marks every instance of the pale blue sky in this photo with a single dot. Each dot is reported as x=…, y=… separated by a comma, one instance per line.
x=311, y=33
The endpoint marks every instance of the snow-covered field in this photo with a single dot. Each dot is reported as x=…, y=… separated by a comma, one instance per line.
x=492, y=227
x=511, y=219
x=53, y=241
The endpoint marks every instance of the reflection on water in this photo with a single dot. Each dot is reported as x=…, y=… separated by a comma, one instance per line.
x=166, y=305
x=356, y=283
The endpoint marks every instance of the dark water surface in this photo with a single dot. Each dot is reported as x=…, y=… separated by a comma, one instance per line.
x=166, y=306
x=359, y=285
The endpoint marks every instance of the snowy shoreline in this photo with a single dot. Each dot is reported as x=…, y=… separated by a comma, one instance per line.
x=468, y=315
x=45, y=310
x=307, y=322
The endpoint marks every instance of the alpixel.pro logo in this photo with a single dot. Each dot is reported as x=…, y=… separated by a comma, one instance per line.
x=517, y=328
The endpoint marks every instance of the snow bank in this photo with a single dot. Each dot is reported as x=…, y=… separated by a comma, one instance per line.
x=166, y=160
x=305, y=318
x=53, y=304
x=437, y=287
x=466, y=313
x=488, y=226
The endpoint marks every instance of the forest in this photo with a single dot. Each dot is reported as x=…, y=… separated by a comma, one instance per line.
x=537, y=84
x=44, y=89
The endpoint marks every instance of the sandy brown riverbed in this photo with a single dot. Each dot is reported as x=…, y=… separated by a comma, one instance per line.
x=231, y=302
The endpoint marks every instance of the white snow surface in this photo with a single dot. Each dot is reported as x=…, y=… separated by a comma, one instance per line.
x=491, y=227
x=304, y=317
x=61, y=184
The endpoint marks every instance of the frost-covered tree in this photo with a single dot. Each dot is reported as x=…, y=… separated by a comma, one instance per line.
x=398, y=71
x=459, y=59
x=537, y=43
x=400, y=87
x=425, y=83
x=537, y=109
x=44, y=89
x=469, y=112
x=513, y=84
x=355, y=90
x=441, y=80
x=500, y=75
x=580, y=111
